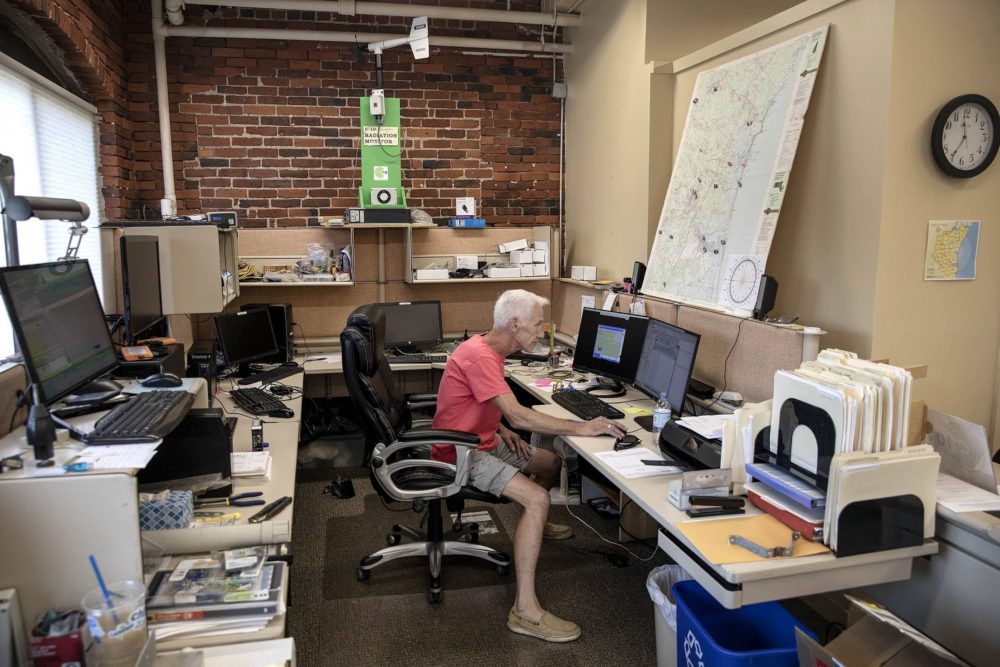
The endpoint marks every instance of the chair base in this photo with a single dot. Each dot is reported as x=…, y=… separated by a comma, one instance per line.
x=434, y=547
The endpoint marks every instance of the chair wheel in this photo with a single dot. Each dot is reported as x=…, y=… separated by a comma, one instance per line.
x=456, y=527
x=434, y=597
x=362, y=574
x=392, y=539
x=503, y=570
x=472, y=537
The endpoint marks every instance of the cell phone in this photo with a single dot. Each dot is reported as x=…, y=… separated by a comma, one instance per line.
x=702, y=512
x=658, y=462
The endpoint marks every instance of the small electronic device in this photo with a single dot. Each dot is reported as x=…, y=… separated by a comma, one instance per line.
x=627, y=441
x=56, y=314
x=410, y=325
x=698, y=483
x=161, y=381
x=222, y=219
x=767, y=292
x=609, y=344
x=136, y=353
x=246, y=336
x=256, y=435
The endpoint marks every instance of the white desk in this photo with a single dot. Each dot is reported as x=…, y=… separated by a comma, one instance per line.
x=737, y=584
x=282, y=436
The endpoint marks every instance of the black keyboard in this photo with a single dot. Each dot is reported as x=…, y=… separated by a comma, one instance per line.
x=146, y=417
x=272, y=375
x=584, y=405
x=417, y=358
x=256, y=401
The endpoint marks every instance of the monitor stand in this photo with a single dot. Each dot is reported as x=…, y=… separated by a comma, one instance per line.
x=614, y=387
x=243, y=370
x=94, y=393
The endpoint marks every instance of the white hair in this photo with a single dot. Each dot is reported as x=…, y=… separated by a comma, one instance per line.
x=515, y=303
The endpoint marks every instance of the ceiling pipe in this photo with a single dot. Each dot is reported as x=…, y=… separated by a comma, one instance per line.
x=359, y=38
x=175, y=11
x=351, y=8
x=168, y=204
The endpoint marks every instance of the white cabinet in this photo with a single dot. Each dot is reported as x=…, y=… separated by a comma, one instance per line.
x=197, y=264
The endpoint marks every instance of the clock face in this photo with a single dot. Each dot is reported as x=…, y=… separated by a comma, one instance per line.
x=964, y=139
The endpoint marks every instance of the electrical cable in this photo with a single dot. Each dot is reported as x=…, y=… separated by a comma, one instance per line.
x=611, y=542
x=725, y=365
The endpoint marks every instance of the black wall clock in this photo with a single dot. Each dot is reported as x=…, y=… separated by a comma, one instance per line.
x=964, y=139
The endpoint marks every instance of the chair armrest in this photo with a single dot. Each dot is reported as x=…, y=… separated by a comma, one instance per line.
x=440, y=436
x=421, y=401
x=454, y=476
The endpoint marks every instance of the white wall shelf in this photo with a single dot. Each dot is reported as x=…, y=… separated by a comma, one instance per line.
x=437, y=246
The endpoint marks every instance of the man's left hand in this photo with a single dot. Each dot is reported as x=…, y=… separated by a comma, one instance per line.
x=518, y=444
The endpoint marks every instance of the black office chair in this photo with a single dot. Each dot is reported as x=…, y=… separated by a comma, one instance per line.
x=399, y=456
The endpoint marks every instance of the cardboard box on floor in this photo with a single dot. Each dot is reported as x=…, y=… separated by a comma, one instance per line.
x=878, y=638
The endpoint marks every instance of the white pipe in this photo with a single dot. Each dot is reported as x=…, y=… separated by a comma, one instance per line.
x=562, y=144
x=357, y=37
x=350, y=7
x=168, y=205
x=175, y=11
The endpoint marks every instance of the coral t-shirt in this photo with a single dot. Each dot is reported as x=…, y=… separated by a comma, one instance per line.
x=473, y=377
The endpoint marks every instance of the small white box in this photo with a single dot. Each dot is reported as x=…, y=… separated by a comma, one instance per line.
x=465, y=207
x=583, y=273
x=539, y=256
x=503, y=272
x=522, y=256
x=542, y=245
x=541, y=269
x=431, y=274
x=527, y=270
x=467, y=262
x=519, y=244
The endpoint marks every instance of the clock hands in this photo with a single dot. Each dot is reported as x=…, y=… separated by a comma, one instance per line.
x=965, y=138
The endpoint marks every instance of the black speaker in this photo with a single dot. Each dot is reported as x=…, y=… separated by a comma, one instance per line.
x=638, y=273
x=766, y=294
x=281, y=322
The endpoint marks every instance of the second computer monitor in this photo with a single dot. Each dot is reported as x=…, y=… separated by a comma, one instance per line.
x=141, y=286
x=412, y=324
x=246, y=336
x=668, y=354
x=609, y=344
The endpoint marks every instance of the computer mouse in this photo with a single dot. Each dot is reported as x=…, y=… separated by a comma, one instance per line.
x=281, y=412
x=626, y=441
x=161, y=380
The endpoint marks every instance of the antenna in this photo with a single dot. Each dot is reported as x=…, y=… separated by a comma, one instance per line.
x=420, y=45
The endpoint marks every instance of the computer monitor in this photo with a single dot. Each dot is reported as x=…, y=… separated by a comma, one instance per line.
x=59, y=325
x=668, y=354
x=412, y=324
x=141, y=286
x=246, y=336
x=609, y=344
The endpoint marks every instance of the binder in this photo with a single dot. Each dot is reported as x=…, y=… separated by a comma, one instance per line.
x=808, y=523
x=785, y=482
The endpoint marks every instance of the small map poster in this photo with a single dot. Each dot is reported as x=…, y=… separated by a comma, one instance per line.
x=951, y=250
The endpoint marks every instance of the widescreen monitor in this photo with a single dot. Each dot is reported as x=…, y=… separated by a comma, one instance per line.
x=246, y=336
x=141, y=286
x=609, y=344
x=412, y=324
x=668, y=354
x=59, y=325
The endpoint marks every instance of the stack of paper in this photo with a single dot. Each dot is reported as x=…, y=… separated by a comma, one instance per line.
x=707, y=426
x=251, y=465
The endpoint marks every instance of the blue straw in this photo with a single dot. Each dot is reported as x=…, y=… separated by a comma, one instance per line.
x=104, y=589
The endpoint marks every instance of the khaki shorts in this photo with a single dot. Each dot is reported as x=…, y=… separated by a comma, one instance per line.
x=492, y=471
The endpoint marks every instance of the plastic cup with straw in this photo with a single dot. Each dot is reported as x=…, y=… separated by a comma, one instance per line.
x=104, y=589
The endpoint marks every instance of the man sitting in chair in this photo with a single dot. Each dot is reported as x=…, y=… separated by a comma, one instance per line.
x=472, y=397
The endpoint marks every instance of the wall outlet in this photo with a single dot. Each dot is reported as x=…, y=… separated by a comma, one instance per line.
x=559, y=91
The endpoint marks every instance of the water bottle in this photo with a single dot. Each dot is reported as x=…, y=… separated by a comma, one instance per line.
x=661, y=415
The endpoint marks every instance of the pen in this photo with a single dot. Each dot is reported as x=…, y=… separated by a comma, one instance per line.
x=271, y=510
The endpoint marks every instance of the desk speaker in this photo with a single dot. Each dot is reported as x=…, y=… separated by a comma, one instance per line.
x=766, y=294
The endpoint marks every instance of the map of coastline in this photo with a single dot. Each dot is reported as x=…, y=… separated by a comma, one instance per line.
x=729, y=179
x=951, y=250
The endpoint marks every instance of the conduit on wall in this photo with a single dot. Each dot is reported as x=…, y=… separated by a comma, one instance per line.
x=175, y=15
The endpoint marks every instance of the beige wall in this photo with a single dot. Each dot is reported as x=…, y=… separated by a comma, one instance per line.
x=940, y=50
x=607, y=149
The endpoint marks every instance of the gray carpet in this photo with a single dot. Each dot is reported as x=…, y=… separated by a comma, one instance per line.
x=576, y=581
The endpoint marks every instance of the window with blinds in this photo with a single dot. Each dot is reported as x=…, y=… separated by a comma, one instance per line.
x=52, y=137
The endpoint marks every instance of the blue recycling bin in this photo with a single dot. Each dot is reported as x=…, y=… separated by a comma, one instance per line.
x=709, y=635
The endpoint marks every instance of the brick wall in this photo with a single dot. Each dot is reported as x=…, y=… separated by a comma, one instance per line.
x=270, y=128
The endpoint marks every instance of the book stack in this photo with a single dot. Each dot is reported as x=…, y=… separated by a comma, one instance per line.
x=232, y=591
